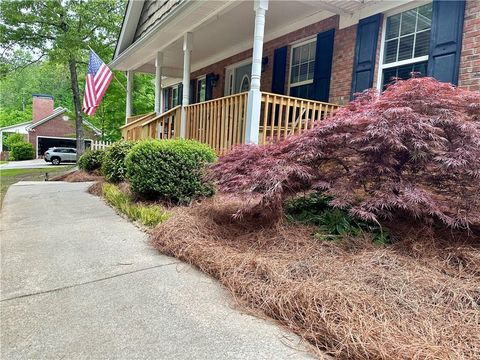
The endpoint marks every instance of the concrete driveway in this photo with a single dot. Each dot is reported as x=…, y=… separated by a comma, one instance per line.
x=80, y=282
x=26, y=164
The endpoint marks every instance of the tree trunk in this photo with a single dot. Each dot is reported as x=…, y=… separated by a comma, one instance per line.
x=78, y=107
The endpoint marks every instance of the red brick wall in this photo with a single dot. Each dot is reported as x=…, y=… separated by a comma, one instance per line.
x=342, y=64
x=342, y=59
x=57, y=127
x=42, y=106
x=469, y=76
x=343, y=56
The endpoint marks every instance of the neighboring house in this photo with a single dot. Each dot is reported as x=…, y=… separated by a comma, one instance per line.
x=309, y=57
x=49, y=127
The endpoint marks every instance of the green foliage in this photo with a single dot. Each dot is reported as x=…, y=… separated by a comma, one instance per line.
x=21, y=151
x=12, y=139
x=91, y=160
x=148, y=215
x=113, y=167
x=169, y=169
x=61, y=32
x=10, y=116
x=333, y=223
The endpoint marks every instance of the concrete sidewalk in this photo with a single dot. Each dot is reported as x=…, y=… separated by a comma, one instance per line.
x=80, y=282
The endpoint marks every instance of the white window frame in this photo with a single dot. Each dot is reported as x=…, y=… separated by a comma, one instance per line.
x=200, y=78
x=293, y=46
x=230, y=75
x=381, y=65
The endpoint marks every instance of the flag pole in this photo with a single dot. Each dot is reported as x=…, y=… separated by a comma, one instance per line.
x=114, y=76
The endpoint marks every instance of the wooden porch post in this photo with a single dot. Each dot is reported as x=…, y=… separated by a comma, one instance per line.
x=129, y=102
x=158, y=83
x=187, y=50
x=254, y=96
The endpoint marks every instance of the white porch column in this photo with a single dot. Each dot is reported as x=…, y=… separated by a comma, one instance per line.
x=129, y=102
x=254, y=95
x=158, y=83
x=187, y=50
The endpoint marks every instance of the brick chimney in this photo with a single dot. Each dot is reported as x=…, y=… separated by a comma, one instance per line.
x=42, y=107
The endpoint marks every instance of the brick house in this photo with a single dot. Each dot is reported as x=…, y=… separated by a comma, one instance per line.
x=50, y=127
x=309, y=57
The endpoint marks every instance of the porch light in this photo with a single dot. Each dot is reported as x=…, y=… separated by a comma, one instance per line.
x=214, y=80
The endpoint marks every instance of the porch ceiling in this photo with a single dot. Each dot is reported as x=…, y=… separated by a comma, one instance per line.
x=222, y=29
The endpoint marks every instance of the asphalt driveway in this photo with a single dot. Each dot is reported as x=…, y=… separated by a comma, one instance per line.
x=80, y=282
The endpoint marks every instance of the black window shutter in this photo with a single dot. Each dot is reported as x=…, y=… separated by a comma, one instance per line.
x=365, y=53
x=279, y=69
x=193, y=82
x=446, y=40
x=168, y=98
x=179, y=94
x=323, y=65
x=209, y=78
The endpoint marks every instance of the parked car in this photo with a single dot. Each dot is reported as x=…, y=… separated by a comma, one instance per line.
x=57, y=155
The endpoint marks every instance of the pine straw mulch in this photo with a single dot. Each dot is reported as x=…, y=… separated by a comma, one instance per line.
x=417, y=299
x=79, y=176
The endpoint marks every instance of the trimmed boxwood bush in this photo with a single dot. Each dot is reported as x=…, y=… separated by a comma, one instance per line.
x=22, y=151
x=91, y=160
x=169, y=169
x=113, y=166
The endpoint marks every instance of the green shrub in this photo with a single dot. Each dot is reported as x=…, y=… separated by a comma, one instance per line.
x=91, y=160
x=169, y=169
x=333, y=223
x=113, y=166
x=148, y=215
x=21, y=151
x=12, y=139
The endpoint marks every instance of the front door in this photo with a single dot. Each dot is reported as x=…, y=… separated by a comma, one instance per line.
x=238, y=79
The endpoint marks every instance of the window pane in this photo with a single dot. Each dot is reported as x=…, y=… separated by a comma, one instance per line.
x=303, y=69
x=422, y=43
x=409, y=18
x=294, y=74
x=388, y=75
x=405, y=49
x=424, y=20
x=304, y=53
x=296, y=56
x=393, y=26
x=404, y=72
x=420, y=68
x=303, y=91
x=313, y=49
x=303, y=72
x=311, y=70
x=391, y=51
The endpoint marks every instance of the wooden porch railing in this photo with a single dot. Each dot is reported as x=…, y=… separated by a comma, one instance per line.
x=163, y=126
x=219, y=123
x=133, y=129
x=282, y=116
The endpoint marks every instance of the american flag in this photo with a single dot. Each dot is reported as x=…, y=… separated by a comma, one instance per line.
x=98, y=79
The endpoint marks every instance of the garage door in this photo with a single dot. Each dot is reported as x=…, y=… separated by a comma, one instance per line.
x=45, y=143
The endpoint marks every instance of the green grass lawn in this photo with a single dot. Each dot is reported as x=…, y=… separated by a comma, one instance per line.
x=11, y=176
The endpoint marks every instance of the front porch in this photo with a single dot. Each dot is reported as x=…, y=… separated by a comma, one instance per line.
x=233, y=72
x=222, y=123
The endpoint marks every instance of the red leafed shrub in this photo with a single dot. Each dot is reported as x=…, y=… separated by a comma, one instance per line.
x=414, y=150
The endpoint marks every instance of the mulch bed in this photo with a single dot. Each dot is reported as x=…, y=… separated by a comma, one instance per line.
x=416, y=299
